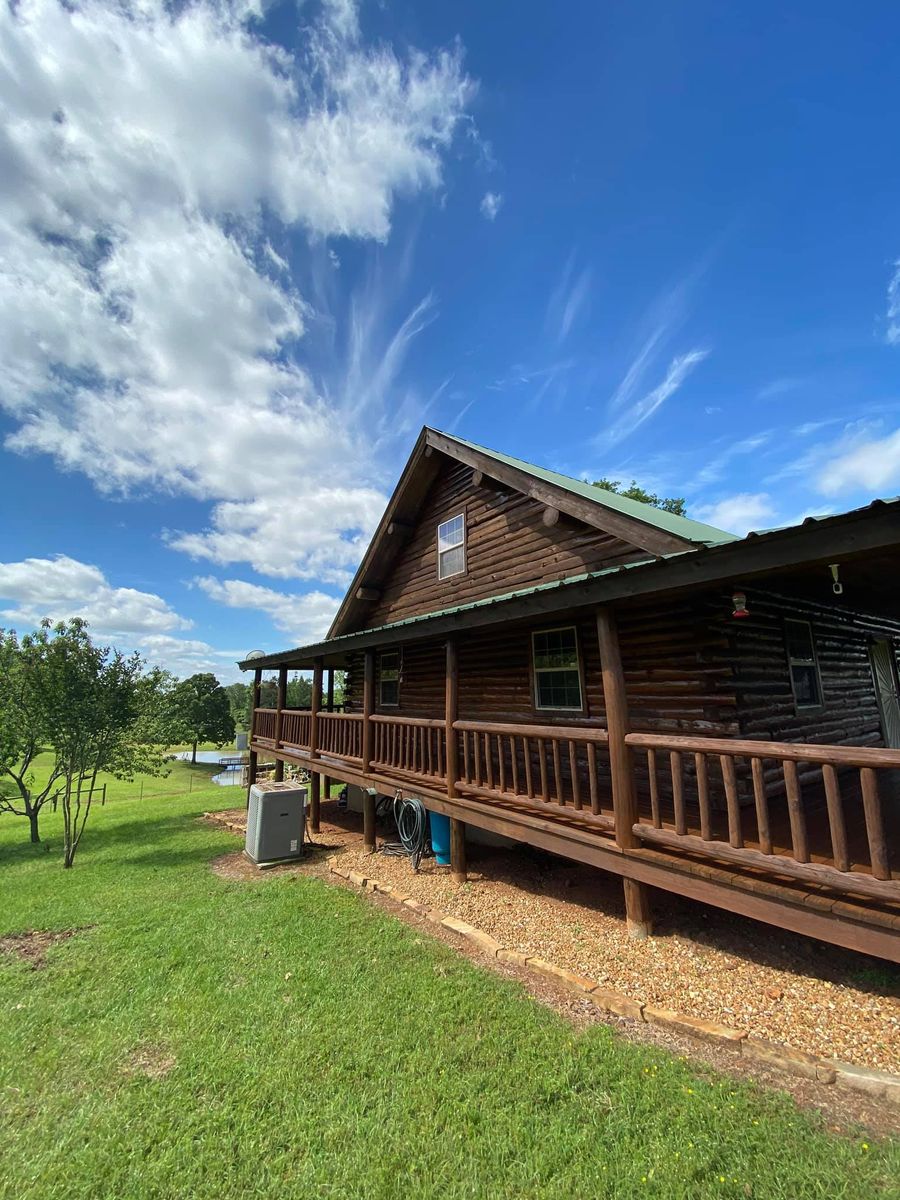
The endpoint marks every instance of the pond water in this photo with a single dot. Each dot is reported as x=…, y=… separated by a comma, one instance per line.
x=229, y=776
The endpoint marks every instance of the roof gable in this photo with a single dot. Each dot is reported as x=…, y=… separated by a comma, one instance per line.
x=644, y=531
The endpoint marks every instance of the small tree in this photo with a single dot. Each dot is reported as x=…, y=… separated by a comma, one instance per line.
x=634, y=491
x=90, y=702
x=23, y=732
x=203, y=711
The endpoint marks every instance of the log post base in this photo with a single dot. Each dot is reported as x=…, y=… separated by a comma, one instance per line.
x=637, y=909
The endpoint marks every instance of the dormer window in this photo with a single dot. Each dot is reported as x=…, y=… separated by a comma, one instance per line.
x=451, y=538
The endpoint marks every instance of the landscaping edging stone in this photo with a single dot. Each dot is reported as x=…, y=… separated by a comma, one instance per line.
x=876, y=1084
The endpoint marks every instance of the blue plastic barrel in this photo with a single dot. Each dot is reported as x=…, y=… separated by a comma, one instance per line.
x=440, y=837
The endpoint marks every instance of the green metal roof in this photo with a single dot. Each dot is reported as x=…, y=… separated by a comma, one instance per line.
x=684, y=527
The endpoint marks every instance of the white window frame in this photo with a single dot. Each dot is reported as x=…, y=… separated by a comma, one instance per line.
x=382, y=703
x=794, y=661
x=461, y=516
x=538, y=671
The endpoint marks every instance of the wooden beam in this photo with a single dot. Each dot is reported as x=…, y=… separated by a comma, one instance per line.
x=638, y=533
x=368, y=708
x=625, y=808
x=280, y=701
x=315, y=781
x=551, y=516
x=477, y=478
x=368, y=593
x=329, y=707
x=400, y=529
x=252, y=759
x=451, y=712
x=638, y=918
x=369, y=820
x=458, y=872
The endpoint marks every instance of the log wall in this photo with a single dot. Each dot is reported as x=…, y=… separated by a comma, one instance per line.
x=508, y=546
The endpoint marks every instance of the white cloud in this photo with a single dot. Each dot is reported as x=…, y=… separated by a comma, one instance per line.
x=63, y=587
x=872, y=466
x=739, y=513
x=717, y=458
x=491, y=203
x=643, y=409
x=189, y=656
x=568, y=300
x=149, y=331
x=304, y=618
x=893, y=307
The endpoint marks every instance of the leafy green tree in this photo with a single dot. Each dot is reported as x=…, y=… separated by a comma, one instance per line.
x=239, y=696
x=203, y=711
x=634, y=491
x=24, y=733
x=85, y=703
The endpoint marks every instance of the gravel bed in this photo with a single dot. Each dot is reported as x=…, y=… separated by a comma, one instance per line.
x=701, y=960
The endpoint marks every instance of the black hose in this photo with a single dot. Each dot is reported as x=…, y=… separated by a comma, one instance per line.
x=411, y=819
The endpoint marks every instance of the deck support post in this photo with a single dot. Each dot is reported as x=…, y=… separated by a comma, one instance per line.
x=280, y=701
x=329, y=707
x=625, y=809
x=369, y=820
x=458, y=871
x=315, y=779
x=251, y=758
x=368, y=707
x=451, y=712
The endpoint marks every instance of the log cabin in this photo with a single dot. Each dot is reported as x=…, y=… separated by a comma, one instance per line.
x=700, y=714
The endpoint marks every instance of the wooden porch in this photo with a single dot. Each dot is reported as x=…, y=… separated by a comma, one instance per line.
x=802, y=836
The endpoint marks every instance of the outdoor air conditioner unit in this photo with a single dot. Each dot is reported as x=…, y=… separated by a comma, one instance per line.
x=276, y=822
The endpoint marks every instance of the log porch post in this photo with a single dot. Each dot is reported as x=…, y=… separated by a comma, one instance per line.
x=368, y=708
x=329, y=707
x=279, y=707
x=315, y=779
x=625, y=809
x=451, y=712
x=254, y=705
x=367, y=738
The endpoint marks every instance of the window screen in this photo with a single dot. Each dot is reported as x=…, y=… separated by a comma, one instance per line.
x=389, y=679
x=452, y=547
x=804, y=669
x=557, y=675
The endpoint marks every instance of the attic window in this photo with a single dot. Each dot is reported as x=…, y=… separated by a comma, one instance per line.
x=451, y=539
x=805, y=679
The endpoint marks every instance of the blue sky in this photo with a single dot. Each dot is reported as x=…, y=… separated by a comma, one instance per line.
x=249, y=250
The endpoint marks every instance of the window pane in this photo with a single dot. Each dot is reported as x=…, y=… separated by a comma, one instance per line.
x=390, y=691
x=452, y=562
x=556, y=648
x=559, y=689
x=806, y=685
x=799, y=640
x=390, y=666
x=450, y=533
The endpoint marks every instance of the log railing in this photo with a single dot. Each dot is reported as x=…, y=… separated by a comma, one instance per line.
x=264, y=723
x=295, y=728
x=554, y=766
x=839, y=784
x=414, y=746
x=340, y=735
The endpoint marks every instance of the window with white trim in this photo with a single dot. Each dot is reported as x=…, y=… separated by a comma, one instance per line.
x=389, y=679
x=451, y=545
x=557, y=669
x=801, y=651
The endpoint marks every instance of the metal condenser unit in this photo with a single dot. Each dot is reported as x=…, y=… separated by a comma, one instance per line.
x=276, y=822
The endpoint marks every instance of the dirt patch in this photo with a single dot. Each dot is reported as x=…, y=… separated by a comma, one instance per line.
x=32, y=947
x=153, y=1062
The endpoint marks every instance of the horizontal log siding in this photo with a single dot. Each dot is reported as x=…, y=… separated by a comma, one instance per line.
x=507, y=547
x=849, y=714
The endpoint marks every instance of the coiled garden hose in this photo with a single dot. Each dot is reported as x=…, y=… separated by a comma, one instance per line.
x=411, y=819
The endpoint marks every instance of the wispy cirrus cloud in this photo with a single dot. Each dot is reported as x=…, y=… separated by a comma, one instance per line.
x=569, y=301
x=641, y=410
x=893, y=307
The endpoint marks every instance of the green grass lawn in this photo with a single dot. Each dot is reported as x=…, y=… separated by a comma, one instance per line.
x=317, y=1047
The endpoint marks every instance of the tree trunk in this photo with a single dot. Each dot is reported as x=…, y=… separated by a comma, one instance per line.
x=194, y=756
x=33, y=821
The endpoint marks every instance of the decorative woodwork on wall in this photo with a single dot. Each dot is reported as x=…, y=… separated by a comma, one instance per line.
x=509, y=546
